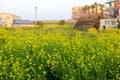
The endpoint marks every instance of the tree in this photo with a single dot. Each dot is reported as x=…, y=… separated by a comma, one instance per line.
x=93, y=7
x=87, y=9
x=96, y=10
x=101, y=9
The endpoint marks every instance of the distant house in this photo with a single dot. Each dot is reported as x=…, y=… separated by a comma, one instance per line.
x=15, y=17
x=23, y=23
x=6, y=19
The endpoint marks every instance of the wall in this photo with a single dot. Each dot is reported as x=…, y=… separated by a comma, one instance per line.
x=6, y=19
x=109, y=23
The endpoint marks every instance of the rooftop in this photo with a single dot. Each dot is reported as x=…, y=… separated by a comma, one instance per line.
x=23, y=22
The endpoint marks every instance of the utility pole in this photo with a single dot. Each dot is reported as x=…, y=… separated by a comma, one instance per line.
x=36, y=15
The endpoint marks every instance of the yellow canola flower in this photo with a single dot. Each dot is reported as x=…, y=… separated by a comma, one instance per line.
x=92, y=30
x=40, y=67
x=0, y=57
x=27, y=69
x=0, y=63
x=44, y=72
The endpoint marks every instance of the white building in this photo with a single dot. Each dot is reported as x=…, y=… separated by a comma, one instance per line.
x=108, y=23
x=6, y=19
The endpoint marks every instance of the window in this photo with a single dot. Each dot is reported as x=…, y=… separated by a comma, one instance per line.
x=113, y=22
x=107, y=23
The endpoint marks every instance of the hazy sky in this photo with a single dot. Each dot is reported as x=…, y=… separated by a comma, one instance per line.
x=47, y=9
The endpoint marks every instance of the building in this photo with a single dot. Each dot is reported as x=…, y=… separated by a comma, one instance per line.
x=112, y=3
x=108, y=23
x=109, y=14
x=118, y=6
x=114, y=6
x=114, y=15
x=23, y=23
x=6, y=19
x=15, y=17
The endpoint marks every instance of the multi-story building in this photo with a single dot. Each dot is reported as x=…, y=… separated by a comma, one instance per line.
x=114, y=6
x=113, y=3
x=118, y=6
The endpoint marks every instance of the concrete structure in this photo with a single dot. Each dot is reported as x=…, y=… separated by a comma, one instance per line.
x=6, y=19
x=114, y=14
x=113, y=3
x=15, y=17
x=108, y=23
x=114, y=6
x=118, y=6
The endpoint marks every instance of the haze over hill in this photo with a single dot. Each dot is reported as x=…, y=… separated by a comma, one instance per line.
x=47, y=9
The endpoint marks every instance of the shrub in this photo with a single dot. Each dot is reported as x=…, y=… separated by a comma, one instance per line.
x=40, y=24
x=62, y=22
x=118, y=24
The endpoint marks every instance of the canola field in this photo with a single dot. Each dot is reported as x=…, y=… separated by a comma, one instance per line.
x=59, y=54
